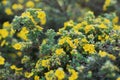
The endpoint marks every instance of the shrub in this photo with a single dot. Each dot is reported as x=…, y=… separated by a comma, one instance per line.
x=78, y=51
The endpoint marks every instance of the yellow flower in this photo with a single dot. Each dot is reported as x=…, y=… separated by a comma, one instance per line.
x=74, y=74
x=49, y=75
x=59, y=51
x=27, y=14
x=8, y=11
x=103, y=26
x=116, y=27
x=25, y=59
x=107, y=21
x=17, y=7
x=37, y=0
x=115, y=20
x=69, y=24
x=118, y=78
x=20, y=1
x=28, y=74
x=42, y=16
x=88, y=28
x=23, y=34
x=89, y=48
x=38, y=64
x=102, y=53
x=4, y=2
x=6, y=24
x=2, y=60
x=76, y=41
x=45, y=63
x=106, y=4
x=61, y=41
x=3, y=43
x=17, y=46
x=59, y=73
x=19, y=54
x=3, y=33
x=36, y=78
x=111, y=56
x=30, y=4
x=84, y=40
x=15, y=68
x=70, y=43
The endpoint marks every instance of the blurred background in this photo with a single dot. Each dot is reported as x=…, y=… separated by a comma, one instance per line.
x=58, y=11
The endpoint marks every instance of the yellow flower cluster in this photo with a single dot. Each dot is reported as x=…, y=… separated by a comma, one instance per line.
x=49, y=75
x=45, y=63
x=74, y=74
x=18, y=71
x=2, y=60
x=59, y=73
x=67, y=40
x=42, y=17
x=89, y=48
x=23, y=33
x=3, y=33
x=104, y=54
x=17, y=46
x=28, y=74
x=17, y=7
x=8, y=11
x=59, y=51
x=106, y=4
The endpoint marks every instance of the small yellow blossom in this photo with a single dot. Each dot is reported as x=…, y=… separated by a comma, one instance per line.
x=36, y=78
x=28, y=74
x=42, y=17
x=30, y=4
x=106, y=4
x=49, y=75
x=3, y=43
x=2, y=60
x=107, y=21
x=118, y=78
x=84, y=40
x=6, y=24
x=116, y=27
x=20, y=1
x=111, y=56
x=69, y=24
x=4, y=2
x=89, y=48
x=4, y=33
x=15, y=68
x=8, y=11
x=71, y=43
x=103, y=26
x=88, y=28
x=45, y=63
x=76, y=41
x=60, y=74
x=74, y=74
x=23, y=34
x=17, y=46
x=115, y=20
x=17, y=7
x=25, y=59
x=59, y=51
x=19, y=54
x=102, y=53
